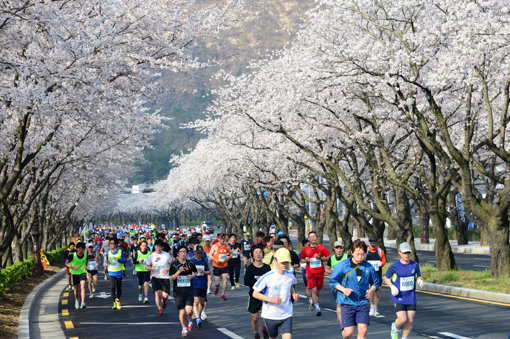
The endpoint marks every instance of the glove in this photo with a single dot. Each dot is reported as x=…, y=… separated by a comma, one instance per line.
x=394, y=290
x=419, y=283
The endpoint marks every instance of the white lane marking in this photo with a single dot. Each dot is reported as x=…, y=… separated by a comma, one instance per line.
x=303, y=296
x=452, y=335
x=229, y=333
x=130, y=323
x=329, y=309
x=123, y=306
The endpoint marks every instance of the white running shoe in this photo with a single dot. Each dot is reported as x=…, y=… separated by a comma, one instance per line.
x=93, y=289
x=372, y=310
x=91, y=295
x=146, y=300
x=76, y=304
x=203, y=316
x=140, y=298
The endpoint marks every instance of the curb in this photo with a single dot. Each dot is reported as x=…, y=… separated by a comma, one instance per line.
x=467, y=293
x=29, y=306
x=463, y=249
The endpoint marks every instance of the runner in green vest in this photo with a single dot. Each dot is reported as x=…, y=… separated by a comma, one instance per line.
x=339, y=255
x=77, y=263
x=140, y=257
x=115, y=259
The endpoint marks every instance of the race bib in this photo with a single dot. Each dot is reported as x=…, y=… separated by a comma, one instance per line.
x=114, y=263
x=92, y=266
x=235, y=255
x=183, y=281
x=376, y=264
x=158, y=269
x=315, y=263
x=247, y=247
x=406, y=283
x=202, y=267
x=223, y=257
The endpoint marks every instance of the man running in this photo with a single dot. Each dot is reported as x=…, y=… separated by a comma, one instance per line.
x=331, y=264
x=77, y=263
x=200, y=283
x=104, y=249
x=234, y=264
x=92, y=262
x=403, y=277
x=144, y=275
x=357, y=282
x=376, y=258
x=182, y=272
x=278, y=286
x=252, y=275
x=219, y=257
x=159, y=264
x=314, y=255
x=207, y=250
x=70, y=249
x=246, y=248
x=115, y=259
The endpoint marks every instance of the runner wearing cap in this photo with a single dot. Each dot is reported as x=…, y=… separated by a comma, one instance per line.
x=219, y=256
x=314, y=255
x=278, y=286
x=357, y=282
x=377, y=258
x=77, y=263
x=333, y=260
x=200, y=284
x=246, y=247
x=253, y=273
x=403, y=277
x=269, y=257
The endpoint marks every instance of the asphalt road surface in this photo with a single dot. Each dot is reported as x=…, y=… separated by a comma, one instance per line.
x=437, y=317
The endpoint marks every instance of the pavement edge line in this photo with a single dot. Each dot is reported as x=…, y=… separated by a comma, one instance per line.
x=229, y=333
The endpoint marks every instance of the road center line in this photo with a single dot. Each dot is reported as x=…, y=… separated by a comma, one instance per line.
x=123, y=306
x=452, y=335
x=229, y=333
x=130, y=323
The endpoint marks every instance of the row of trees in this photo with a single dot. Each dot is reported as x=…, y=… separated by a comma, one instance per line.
x=77, y=79
x=384, y=106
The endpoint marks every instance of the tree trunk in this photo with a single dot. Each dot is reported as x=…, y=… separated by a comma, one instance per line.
x=425, y=220
x=7, y=257
x=484, y=235
x=445, y=259
x=499, y=248
x=38, y=268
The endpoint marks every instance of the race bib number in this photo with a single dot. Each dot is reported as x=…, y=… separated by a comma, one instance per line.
x=235, y=255
x=376, y=264
x=183, y=281
x=223, y=257
x=247, y=247
x=315, y=263
x=406, y=283
x=114, y=263
x=158, y=270
x=92, y=266
x=202, y=267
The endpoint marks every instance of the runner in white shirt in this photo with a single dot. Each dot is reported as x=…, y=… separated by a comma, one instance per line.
x=159, y=264
x=276, y=288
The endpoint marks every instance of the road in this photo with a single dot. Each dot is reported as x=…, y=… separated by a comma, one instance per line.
x=437, y=317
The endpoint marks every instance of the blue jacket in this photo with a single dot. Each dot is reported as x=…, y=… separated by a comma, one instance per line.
x=368, y=278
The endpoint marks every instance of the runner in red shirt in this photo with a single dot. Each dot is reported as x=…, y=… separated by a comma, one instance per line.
x=314, y=255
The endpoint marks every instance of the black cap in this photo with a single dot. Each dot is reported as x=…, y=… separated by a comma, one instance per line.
x=372, y=238
x=199, y=248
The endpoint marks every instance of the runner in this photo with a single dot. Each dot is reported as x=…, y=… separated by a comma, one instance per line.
x=293, y=255
x=357, y=282
x=308, y=292
x=115, y=259
x=92, y=262
x=70, y=249
x=253, y=272
x=314, y=255
x=200, y=284
x=77, y=263
x=104, y=249
x=159, y=264
x=207, y=250
x=377, y=258
x=182, y=272
x=144, y=275
x=260, y=239
x=331, y=264
x=403, y=277
x=219, y=257
x=278, y=286
x=246, y=247
x=234, y=264
x=269, y=256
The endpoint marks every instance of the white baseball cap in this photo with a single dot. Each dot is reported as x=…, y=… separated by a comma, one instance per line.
x=405, y=248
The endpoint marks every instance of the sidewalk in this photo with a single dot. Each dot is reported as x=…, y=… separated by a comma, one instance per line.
x=473, y=247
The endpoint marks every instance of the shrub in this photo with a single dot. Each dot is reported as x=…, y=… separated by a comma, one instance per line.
x=15, y=273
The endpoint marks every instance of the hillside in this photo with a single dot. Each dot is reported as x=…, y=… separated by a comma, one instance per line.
x=272, y=24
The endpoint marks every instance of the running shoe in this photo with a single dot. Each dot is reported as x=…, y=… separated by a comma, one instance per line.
x=394, y=331
x=93, y=289
x=72, y=288
x=184, y=332
x=160, y=312
x=223, y=297
x=371, y=313
x=199, y=322
x=233, y=288
x=311, y=307
x=105, y=277
x=118, y=304
x=190, y=325
x=237, y=285
x=91, y=295
x=114, y=305
x=257, y=336
x=83, y=305
x=163, y=304
x=76, y=304
x=140, y=297
x=376, y=313
x=264, y=333
x=215, y=291
x=145, y=300
x=209, y=291
x=319, y=313
x=203, y=316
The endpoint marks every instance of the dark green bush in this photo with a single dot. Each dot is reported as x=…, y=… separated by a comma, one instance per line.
x=15, y=273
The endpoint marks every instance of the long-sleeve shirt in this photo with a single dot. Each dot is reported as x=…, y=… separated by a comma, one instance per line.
x=117, y=274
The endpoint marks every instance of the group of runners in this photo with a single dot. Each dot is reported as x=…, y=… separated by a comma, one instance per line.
x=192, y=263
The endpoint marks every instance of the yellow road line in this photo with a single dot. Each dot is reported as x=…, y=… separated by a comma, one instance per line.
x=69, y=324
x=464, y=298
x=64, y=301
x=74, y=338
x=66, y=294
x=65, y=312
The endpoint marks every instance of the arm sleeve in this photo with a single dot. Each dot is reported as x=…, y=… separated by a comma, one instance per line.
x=336, y=277
x=389, y=272
x=261, y=284
x=123, y=259
x=135, y=258
x=248, y=278
x=328, y=263
x=383, y=258
x=193, y=267
x=418, y=272
x=374, y=278
x=325, y=252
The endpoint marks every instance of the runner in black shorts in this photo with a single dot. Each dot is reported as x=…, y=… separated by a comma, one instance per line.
x=253, y=272
x=92, y=263
x=182, y=271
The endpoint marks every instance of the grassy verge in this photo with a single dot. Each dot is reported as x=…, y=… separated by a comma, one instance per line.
x=478, y=280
